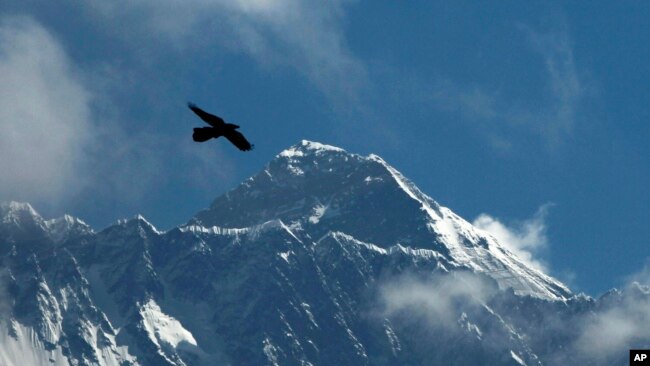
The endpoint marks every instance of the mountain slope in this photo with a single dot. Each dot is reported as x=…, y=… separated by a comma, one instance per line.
x=324, y=258
x=317, y=188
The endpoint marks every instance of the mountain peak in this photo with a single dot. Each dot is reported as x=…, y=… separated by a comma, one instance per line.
x=138, y=222
x=316, y=188
x=20, y=218
x=306, y=147
x=13, y=208
x=64, y=227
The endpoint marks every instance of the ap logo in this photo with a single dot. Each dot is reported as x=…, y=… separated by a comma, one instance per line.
x=639, y=357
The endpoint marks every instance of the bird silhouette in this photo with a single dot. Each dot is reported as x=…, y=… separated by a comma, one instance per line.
x=219, y=128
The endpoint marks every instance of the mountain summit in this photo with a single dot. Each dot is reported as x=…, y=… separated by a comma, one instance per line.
x=315, y=189
x=323, y=258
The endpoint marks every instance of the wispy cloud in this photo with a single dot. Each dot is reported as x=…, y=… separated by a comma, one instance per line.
x=501, y=117
x=44, y=114
x=613, y=331
x=591, y=332
x=603, y=331
x=60, y=139
x=436, y=298
x=565, y=87
x=621, y=321
x=526, y=239
x=305, y=35
x=642, y=276
x=471, y=102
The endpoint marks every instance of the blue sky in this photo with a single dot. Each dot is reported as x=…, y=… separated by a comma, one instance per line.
x=530, y=120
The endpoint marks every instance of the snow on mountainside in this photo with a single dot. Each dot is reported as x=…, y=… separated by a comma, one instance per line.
x=323, y=258
x=317, y=188
x=21, y=219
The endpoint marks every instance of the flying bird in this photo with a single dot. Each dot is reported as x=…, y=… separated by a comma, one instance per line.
x=219, y=128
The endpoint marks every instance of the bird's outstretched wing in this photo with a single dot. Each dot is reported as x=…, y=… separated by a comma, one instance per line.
x=210, y=119
x=238, y=140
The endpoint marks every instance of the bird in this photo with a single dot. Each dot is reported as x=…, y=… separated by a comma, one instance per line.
x=219, y=128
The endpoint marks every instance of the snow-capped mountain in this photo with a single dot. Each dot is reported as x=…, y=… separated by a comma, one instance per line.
x=316, y=189
x=323, y=258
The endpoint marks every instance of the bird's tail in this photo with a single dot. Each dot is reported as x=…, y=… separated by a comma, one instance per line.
x=202, y=134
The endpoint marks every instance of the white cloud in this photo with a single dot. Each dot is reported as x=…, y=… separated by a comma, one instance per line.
x=306, y=35
x=614, y=330
x=499, y=116
x=436, y=298
x=526, y=239
x=57, y=148
x=643, y=276
x=564, y=83
x=617, y=323
x=599, y=332
x=44, y=113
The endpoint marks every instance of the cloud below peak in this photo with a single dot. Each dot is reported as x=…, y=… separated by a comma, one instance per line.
x=526, y=239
